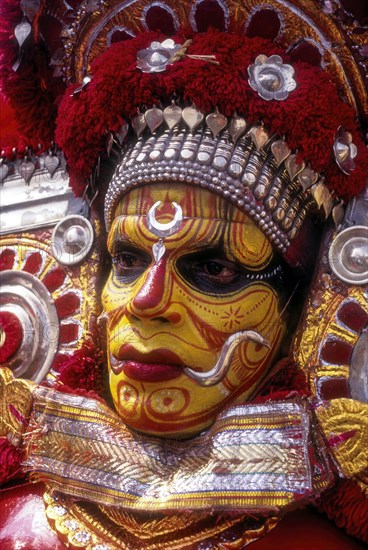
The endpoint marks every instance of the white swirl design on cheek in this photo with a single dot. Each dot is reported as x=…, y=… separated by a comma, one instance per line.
x=163, y=230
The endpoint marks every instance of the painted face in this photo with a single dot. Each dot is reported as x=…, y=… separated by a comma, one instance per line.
x=214, y=278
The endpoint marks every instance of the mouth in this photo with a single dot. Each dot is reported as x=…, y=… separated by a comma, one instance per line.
x=156, y=366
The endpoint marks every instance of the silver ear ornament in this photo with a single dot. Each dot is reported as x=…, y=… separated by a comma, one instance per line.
x=163, y=230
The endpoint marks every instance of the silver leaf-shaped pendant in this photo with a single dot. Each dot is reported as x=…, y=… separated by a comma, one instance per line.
x=4, y=169
x=307, y=177
x=237, y=127
x=280, y=151
x=51, y=163
x=293, y=167
x=259, y=136
x=26, y=170
x=172, y=116
x=192, y=117
x=154, y=118
x=216, y=122
x=22, y=31
x=121, y=135
x=338, y=214
x=139, y=124
x=158, y=250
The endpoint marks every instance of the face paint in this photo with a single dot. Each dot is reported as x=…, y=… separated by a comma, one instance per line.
x=213, y=279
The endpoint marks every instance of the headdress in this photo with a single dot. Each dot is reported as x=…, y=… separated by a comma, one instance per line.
x=248, y=113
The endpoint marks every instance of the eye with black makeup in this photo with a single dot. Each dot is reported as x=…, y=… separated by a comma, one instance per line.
x=210, y=271
x=129, y=263
x=213, y=273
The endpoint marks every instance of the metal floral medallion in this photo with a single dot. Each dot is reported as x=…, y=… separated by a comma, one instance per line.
x=345, y=151
x=156, y=58
x=271, y=78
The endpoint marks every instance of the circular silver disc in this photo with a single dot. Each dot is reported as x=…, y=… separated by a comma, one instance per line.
x=72, y=239
x=348, y=255
x=23, y=296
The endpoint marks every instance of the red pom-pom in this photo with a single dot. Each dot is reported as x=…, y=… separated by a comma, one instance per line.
x=12, y=331
x=10, y=460
x=287, y=382
x=309, y=118
x=82, y=370
x=347, y=506
x=32, y=89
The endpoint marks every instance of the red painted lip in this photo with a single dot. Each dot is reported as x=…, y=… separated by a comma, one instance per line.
x=156, y=366
x=151, y=372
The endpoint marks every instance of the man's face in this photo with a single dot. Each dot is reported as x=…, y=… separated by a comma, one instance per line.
x=215, y=278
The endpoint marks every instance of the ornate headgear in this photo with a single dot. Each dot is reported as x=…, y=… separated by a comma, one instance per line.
x=245, y=116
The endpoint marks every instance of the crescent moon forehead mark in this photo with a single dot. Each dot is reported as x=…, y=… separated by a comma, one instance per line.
x=163, y=230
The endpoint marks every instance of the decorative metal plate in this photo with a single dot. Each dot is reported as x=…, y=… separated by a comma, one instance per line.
x=348, y=255
x=72, y=239
x=26, y=298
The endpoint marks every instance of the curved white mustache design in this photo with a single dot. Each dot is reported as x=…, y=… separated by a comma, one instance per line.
x=218, y=372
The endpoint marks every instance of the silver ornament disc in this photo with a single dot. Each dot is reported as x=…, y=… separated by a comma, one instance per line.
x=348, y=255
x=27, y=299
x=72, y=239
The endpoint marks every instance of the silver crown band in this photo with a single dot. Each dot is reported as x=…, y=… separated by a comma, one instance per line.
x=256, y=173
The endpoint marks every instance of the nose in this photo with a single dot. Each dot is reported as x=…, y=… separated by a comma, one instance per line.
x=153, y=298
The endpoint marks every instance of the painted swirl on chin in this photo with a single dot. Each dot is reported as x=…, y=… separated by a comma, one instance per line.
x=177, y=313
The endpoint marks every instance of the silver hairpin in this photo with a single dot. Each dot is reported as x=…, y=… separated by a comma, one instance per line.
x=163, y=230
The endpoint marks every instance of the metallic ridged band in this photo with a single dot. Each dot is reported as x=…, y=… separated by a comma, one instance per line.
x=244, y=173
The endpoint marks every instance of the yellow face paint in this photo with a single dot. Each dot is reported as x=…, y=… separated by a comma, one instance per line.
x=213, y=280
